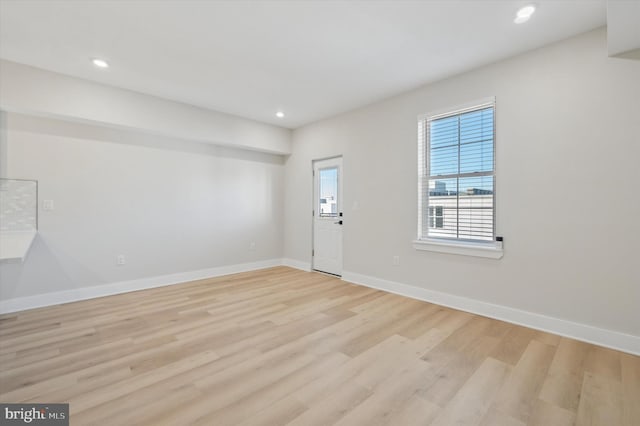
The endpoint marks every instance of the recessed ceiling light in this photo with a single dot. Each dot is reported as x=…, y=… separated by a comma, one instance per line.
x=280, y=114
x=524, y=13
x=100, y=63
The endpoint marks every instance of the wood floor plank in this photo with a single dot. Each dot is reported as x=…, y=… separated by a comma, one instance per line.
x=140, y=381
x=414, y=411
x=281, y=346
x=457, y=358
x=513, y=345
x=496, y=417
x=600, y=401
x=236, y=383
x=389, y=398
x=333, y=406
x=563, y=384
x=631, y=389
x=604, y=362
x=546, y=414
x=387, y=357
x=281, y=412
x=472, y=402
x=521, y=389
x=243, y=408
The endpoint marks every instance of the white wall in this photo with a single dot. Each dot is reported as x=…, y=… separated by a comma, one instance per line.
x=568, y=132
x=34, y=91
x=3, y=144
x=169, y=205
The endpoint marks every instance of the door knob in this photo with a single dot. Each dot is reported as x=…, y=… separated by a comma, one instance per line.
x=338, y=222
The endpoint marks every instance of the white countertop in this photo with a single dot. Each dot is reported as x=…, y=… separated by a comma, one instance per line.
x=14, y=245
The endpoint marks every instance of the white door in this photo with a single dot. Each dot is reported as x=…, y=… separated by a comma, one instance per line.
x=327, y=216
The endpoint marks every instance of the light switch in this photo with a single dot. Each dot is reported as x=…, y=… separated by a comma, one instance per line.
x=47, y=205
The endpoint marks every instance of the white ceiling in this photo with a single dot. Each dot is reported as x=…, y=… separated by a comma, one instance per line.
x=312, y=59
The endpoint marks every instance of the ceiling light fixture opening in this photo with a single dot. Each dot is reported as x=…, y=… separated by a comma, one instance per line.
x=524, y=13
x=100, y=63
x=280, y=114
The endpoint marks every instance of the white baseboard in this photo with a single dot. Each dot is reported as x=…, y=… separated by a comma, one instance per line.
x=598, y=336
x=608, y=338
x=76, y=294
x=297, y=264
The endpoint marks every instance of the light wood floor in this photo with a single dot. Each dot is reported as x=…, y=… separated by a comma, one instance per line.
x=282, y=346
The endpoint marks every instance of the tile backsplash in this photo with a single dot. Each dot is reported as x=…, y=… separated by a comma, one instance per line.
x=18, y=205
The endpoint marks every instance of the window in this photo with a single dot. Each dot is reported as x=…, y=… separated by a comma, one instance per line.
x=436, y=220
x=328, y=192
x=457, y=175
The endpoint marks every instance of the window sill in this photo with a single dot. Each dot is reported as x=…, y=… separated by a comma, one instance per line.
x=489, y=250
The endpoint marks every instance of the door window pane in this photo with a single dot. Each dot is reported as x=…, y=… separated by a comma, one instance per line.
x=328, y=192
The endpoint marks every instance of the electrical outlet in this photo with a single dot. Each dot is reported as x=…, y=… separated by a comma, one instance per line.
x=120, y=260
x=396, y=260
x=252, y=246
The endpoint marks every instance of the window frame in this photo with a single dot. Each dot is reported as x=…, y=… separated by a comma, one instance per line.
x=455, y=245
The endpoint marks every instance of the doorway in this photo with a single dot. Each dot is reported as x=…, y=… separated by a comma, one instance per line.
x=327, y=216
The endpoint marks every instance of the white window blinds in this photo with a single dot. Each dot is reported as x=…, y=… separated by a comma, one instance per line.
x=457, y=175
